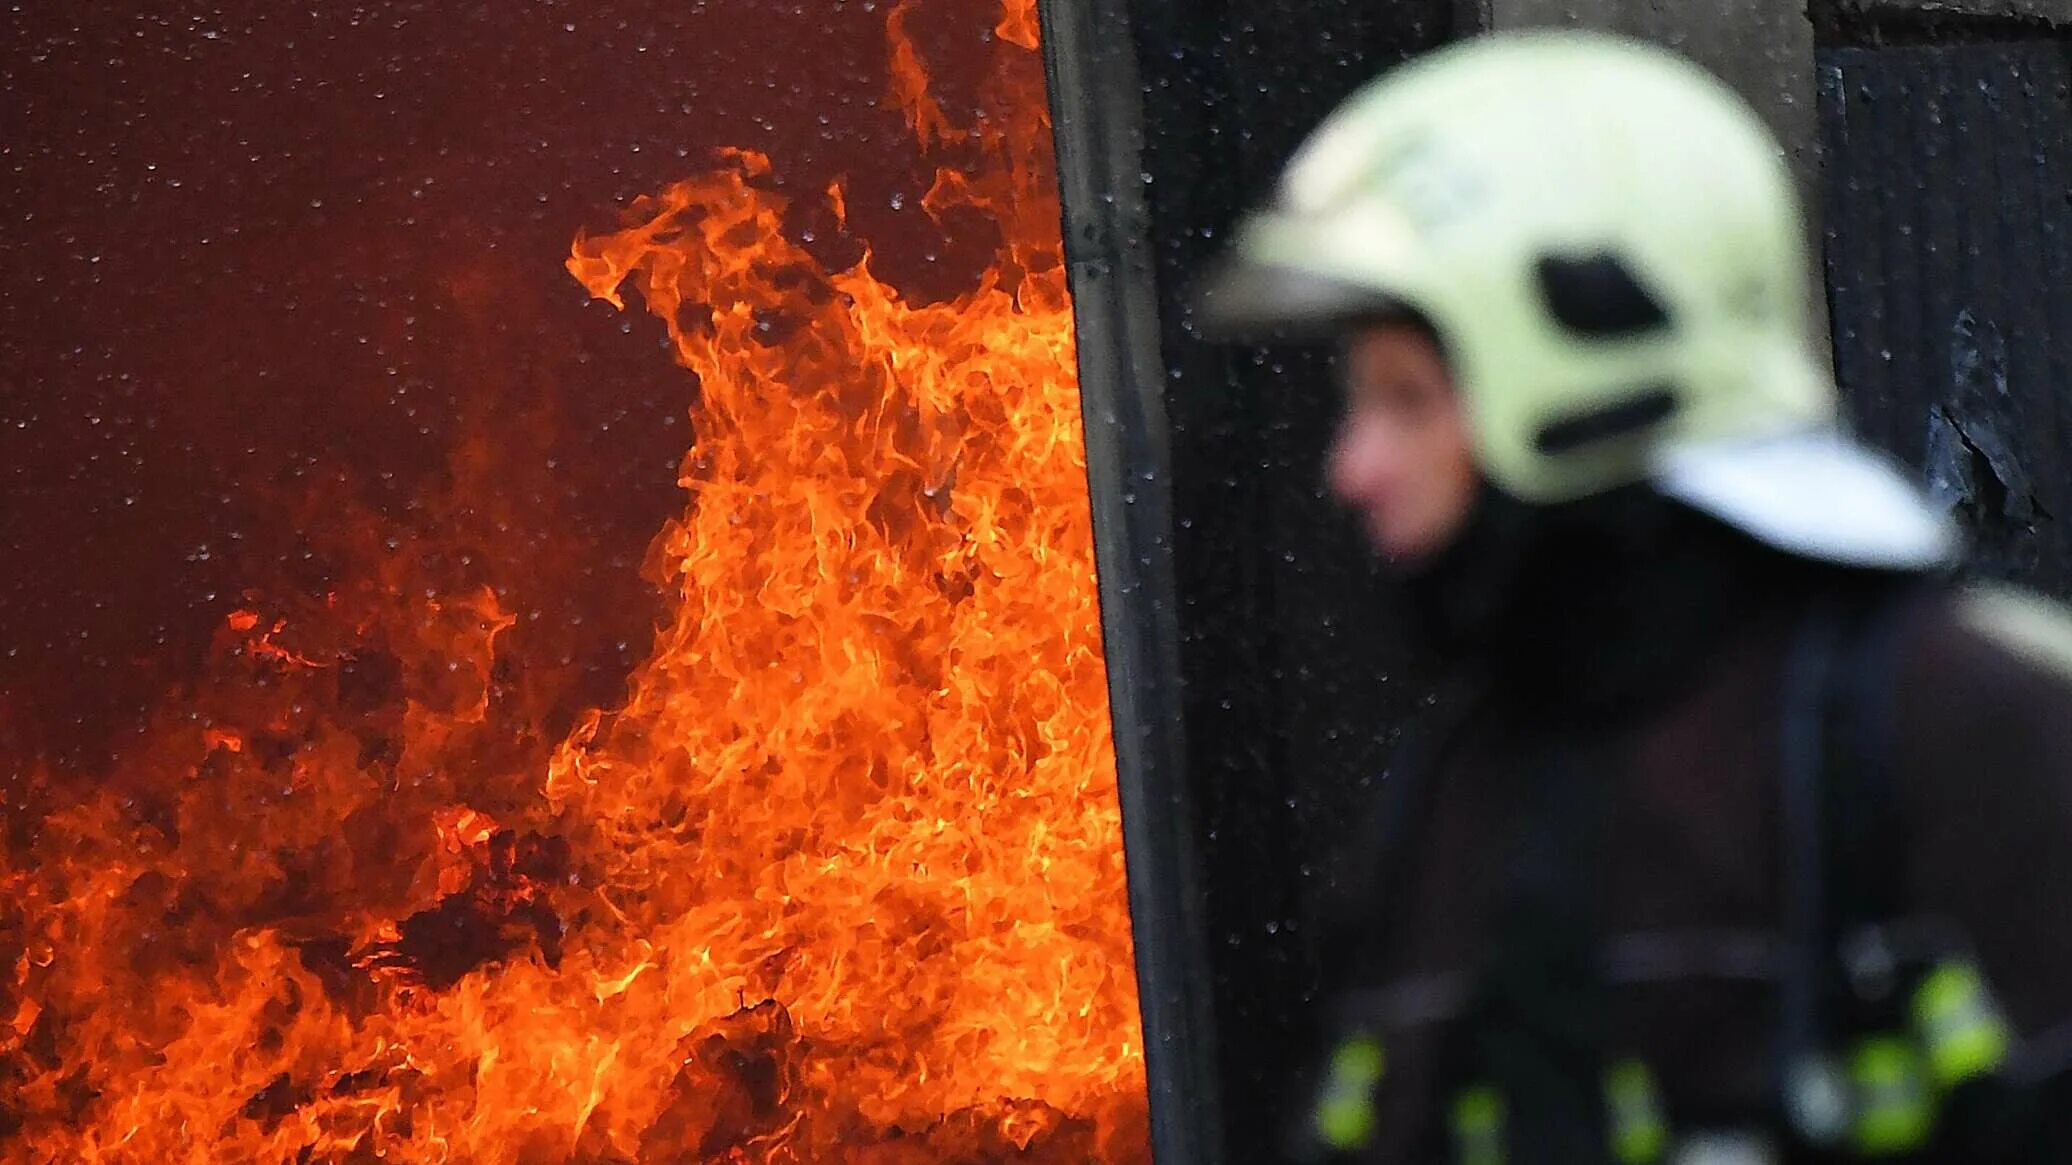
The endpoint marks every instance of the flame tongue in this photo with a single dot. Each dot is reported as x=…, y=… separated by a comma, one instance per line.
x=841, y=879
x=895, y=699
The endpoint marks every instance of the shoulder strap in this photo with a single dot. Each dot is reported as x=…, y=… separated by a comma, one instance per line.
x=1842, y=844
x=1867, y=834
x=1811, y=1092
x=1367, y=903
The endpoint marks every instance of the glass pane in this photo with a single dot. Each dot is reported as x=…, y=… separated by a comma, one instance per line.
x=565, y=626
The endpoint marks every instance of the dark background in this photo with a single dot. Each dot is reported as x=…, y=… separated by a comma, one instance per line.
x=267, y=266
x=1948, y=198
x=1949, y=149
x=1294, y=684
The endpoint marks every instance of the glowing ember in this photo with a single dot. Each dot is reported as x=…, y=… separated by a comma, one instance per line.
x=841, y=879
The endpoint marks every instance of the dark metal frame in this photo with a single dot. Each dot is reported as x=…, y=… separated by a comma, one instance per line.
x=1092, y=72
x=1251, y=697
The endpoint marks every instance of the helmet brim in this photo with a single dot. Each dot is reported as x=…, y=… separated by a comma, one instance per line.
x=1245, y=300
x=1817, y=494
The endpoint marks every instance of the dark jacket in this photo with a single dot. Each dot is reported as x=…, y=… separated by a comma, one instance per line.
x=1598, y=846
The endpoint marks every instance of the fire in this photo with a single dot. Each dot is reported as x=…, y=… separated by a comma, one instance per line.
x=841, y=879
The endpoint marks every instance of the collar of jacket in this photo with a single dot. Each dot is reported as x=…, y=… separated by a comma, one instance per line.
x=1601, y=610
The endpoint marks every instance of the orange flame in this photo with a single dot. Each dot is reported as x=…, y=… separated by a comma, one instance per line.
x=1018, y=24
x=841, y=879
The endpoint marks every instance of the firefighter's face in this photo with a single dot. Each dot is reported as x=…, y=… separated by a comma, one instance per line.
x=1402, y=456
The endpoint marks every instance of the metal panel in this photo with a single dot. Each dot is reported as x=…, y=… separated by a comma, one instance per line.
x=1288, y=687
x=2050, y=11
x=1292, y=685
x=1094, y=95
x=1950, y=211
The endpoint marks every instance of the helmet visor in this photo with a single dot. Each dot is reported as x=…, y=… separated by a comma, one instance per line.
x=1245, y=300
x=1814, y=493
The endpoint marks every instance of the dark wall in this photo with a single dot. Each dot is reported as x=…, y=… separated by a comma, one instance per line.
x=253, y=253
x=1949, y=179
x=1949, y=155
x=1292, y=681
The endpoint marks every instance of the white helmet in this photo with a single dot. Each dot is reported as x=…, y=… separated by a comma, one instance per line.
x=1608, y=244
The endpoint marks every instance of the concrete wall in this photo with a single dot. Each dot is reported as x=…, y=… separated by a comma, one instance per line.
x=2057, y=12
x=1764, y=48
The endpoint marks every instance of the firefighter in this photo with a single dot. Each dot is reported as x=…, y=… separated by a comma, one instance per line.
x=1749, y=837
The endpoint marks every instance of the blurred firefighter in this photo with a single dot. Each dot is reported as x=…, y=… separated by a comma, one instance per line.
x=1750, y=838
